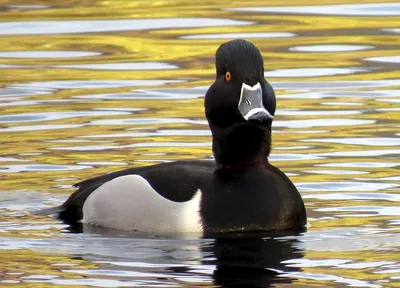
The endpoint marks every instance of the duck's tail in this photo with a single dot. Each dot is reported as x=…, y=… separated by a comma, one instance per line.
x=49, y=211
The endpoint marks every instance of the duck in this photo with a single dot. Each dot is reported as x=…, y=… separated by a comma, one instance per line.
x=238, y=191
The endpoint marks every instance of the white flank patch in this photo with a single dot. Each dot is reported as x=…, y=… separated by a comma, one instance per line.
x=130, y=203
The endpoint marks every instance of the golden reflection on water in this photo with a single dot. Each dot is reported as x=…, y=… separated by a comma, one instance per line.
x=32, y=266
x=310, y=129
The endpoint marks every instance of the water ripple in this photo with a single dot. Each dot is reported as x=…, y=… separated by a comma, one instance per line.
x=162, y=133
x=354, y=164
x=27, y=7
x=89, y=84
x=377, y=210
x=394, y=30
x=387, y=59
x=136, y=145
x=293, y=157
x=48, y=116
x=330, y=48
x=90, y=26
x=323, y=122
x=336, y=172
x=40, y=167
x=298, y=112
x=337, y=279
x=10, y=159
x=140, y=121
x=370, y=9
x=344, y=186
x=154, y=94
x=333, y=85
x=40, y=127
x=355, y=196
x=361, y=153
x=47, y=54
x=241, y=35
x=382, y=141
x=312, y=72
x=122, y=66
x=348, y=94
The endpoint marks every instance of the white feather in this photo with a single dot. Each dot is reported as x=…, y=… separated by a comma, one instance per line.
x=130, y=203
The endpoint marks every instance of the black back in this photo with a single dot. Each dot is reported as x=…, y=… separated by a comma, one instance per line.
x=177, y=181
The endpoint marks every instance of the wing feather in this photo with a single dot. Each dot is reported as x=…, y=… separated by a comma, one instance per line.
x=176, y=181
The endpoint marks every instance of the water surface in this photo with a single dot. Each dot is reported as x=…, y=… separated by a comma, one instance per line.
x=89, y=87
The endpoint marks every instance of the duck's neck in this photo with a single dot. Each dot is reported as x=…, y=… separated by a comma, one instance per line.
x=242, y=146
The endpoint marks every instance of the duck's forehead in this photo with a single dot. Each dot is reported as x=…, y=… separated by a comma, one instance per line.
x=239, y=55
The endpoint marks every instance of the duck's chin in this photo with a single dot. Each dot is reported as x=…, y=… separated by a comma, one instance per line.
x=245, y=127
x=250, y=133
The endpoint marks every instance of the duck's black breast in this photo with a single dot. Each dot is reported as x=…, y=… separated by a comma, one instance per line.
x=259, y=198
x=176, y=181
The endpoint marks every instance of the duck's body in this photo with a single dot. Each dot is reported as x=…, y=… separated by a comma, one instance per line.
x=240, y=191
x=187, y=196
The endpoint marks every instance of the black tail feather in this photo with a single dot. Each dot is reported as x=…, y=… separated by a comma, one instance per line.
x=49, y=211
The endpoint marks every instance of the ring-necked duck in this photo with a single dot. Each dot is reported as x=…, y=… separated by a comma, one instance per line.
x=240, y=191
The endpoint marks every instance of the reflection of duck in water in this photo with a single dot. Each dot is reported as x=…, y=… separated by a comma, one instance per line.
x=252, y=260
x=241, y=191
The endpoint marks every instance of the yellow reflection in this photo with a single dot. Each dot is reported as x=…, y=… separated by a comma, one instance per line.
x=76, y=141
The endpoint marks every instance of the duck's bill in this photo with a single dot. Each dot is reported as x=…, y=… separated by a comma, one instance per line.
x=251, y=104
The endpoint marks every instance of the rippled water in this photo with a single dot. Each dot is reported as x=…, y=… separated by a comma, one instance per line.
x=88, y=87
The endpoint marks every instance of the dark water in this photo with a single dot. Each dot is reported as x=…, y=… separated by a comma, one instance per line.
x=88, y=87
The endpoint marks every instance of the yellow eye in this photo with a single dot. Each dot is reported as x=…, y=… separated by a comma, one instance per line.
x=228, y=76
